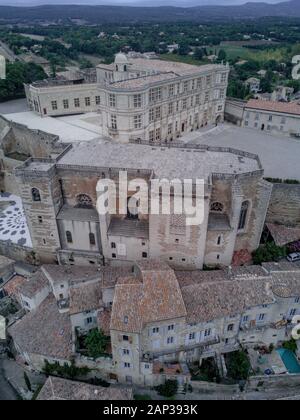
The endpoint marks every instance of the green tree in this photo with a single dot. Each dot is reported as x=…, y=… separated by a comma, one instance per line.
x=222, y=56
x=95, y=343
x=168, y=389
x=268, y=253
x=238, y=365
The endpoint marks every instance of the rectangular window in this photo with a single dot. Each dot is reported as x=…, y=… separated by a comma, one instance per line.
x=158, y=113
x=157, y=134
x=208, y=81
x=170, y=126
x=262, y=317
x=170, y=340
x=197, y=99
x=113, y=119
x=112, y=100
x=66, y=104
x=40, y=219
x=137, y=101
x=207, y=333
x=207, y=97
x=151, y=136
x=126, y=352
x=192, y=336
x=155, y=95
x=222, y=94
x=155, y=330
x=224, y=78
x=270, y=117
x=170, y=108
x=171, y=90
x=54, y=105
x=151, y=115
x=245, y=318
x=185, y=86
x=89, y=320
x=171, y=327
x=127, y=365
x=137, y=121
x=77, y=103
x=184, y=104
x=293, y=312
x=199, y=83
x=98, y=100
x=87, y=101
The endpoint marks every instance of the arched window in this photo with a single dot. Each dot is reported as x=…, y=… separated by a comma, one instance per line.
x=92, y=239
x=217, y=207
x=36, y=196
x=69, y=237
x=132, y=208
x=84, y=201
x=243, y=215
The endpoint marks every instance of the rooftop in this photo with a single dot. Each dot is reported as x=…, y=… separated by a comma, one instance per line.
x=272, y=106
x=71, y=274
x=44, y=332
x=62, y=389
x=143, y=81
x=85, y=297
x=78, y=214
x=180, y=69
x=170, y=163
x=283, y=235
x=157, y=297
x=33, y=285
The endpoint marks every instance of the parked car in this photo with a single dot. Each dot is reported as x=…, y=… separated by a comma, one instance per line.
x=295, y=256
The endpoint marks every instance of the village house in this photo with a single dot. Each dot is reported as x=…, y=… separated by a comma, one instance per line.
x=273, y=117
x=163, y=321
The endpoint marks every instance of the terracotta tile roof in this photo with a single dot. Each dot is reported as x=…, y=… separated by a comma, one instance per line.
x=206, y=302
x=34, y=284
x=283, y=235
x=272, y=106
x=45, y=332
x=286, y=285
x=62, y=389
x=85, y=297
x=11, y=288
x=104, y=318
x=156, y=298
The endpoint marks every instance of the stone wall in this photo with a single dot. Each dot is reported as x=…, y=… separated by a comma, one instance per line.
x=17, y=252
x=284, y=206
x=234, y=111
x=273, y=382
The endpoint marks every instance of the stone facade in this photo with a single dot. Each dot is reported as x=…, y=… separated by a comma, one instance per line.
x=141, y=99
x=235, y=205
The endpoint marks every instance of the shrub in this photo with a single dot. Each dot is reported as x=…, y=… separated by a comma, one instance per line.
x=269, y=252
x=168, y=389
x=95, y=343
x=238, y=365
x=66, y=371
x=290, y=345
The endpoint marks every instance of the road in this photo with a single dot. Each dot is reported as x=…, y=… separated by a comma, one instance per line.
x=7, y=393
x=7, y=52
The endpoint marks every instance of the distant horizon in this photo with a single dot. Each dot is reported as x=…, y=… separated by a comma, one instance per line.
x=145, y=3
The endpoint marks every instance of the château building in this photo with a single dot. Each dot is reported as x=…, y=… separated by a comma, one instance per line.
x=138, y=98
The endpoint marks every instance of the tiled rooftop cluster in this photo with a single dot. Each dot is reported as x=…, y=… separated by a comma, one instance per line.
x=57, y=389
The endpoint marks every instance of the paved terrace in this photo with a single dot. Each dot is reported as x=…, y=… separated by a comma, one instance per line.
x=170, y=163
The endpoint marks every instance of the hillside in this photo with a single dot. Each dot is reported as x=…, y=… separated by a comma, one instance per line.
x=127, y=14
